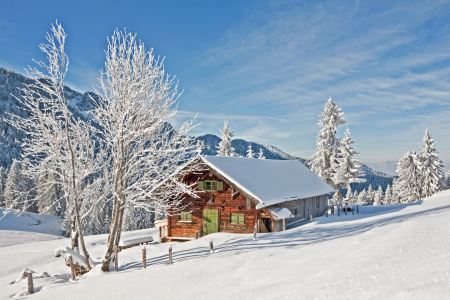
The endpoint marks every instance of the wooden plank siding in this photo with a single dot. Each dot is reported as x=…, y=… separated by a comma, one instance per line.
x=223, y=202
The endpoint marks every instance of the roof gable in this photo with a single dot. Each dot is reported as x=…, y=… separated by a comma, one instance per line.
x=269, y=181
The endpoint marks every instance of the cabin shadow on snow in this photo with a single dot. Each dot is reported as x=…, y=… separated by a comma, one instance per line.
x=292, y=238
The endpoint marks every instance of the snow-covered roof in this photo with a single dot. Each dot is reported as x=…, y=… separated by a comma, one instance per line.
x=280, y=212
x=269, y=181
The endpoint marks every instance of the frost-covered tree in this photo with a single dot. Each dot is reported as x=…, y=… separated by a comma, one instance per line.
x=388, y=196
x=14, y=188
x=378, y=196
x=50, y=196
x=346, y=169
x=395, y=191
x=432, y=168
x=224, y=148
x=370, y=196
x=362, y=197
x=250, y=151
x=349, y=194
x=137, y=101
x=355, y=195
x=56, y=137
x=447, y=180
x=2, y=186
x=409, y=170
x=327, y=144
x=261, y=154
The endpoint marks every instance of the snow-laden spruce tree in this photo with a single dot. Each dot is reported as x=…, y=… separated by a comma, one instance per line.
x=55, y=137
x=345, y=168
x=388, y=196
x=224, y=148
x=50, y=197
x=261, y=154
x=370, y=196
x=327, y=144
x=355, y=196
x=362, y=197
x=432, y=168
x=137, y=101
x=409, y=170
x=250, y=151
x=14, y=188
x=2, y=186
x=447, y=180
x=395, y=191
x=349, y=194
x=378, y=196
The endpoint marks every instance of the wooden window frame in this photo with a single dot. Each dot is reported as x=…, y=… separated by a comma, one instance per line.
x=238, y=219
x=184, y=217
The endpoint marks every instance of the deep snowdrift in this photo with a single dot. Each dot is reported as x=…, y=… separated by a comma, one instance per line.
x=399, y=251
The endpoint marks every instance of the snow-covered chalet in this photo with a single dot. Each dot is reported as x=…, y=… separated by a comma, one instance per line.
x=238, y=193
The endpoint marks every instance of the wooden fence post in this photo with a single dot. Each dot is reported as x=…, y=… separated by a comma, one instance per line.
x=332, y=209
x=211, y=247
x=170, y=254
x=310, y=218
x=254, y=233
x=30, y=283
x=339, y=214
x=144, y=258
x=72, y=270
x=116, y=262
x=345, y=209
x=284, y=224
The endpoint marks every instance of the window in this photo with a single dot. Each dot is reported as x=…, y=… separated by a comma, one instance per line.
x=295, y=212
x=186, y=216
x=210, y=185
x=237, y=218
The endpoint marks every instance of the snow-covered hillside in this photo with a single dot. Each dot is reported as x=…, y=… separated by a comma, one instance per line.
x=385, y=252
x=27, y=227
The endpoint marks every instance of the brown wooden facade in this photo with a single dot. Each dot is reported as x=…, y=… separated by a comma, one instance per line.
x=231, y=200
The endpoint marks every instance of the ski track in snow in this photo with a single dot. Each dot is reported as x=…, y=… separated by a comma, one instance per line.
x=385, y=252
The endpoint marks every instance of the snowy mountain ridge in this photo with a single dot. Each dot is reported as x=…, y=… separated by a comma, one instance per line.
x=80, y=105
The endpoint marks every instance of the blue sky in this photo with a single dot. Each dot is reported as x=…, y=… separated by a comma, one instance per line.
x=268, y=67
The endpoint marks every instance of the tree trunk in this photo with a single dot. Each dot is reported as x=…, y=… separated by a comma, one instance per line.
x=111, y=237
x=119, y=228
x=81, y=237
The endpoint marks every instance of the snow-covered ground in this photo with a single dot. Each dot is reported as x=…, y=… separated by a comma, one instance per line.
x=400, y=252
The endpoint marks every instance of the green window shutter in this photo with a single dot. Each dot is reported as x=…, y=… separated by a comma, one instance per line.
x=189, y=217
x=183, y=216
x=220, y=186
x=234, y=218
x=201, y=185
x=241, y=218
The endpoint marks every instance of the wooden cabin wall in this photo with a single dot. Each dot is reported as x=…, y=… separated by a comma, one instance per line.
x=221, y=201
x=314, y=206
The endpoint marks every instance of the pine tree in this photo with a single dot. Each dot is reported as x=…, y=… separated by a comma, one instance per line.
x=327, y=143
x=250, y=151
x=388, y=196
x=447, y=180
x=395, y=192
x=349, y=194
x=355, y=195
x=370, y=195
x=432, y=168
x=224, y=147
x=378, y=196
x=2, y=186
x=346, y=169
x=362, y=197
x=409, y=170
x=261, y=154
x=13, y=194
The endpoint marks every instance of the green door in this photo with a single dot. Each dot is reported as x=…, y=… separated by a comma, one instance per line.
x=210, y=221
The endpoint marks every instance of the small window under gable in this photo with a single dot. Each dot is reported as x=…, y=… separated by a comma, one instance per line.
x=186, y=216
x=210, y=185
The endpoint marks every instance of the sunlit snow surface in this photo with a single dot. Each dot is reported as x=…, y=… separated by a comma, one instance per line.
x=399, y=252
